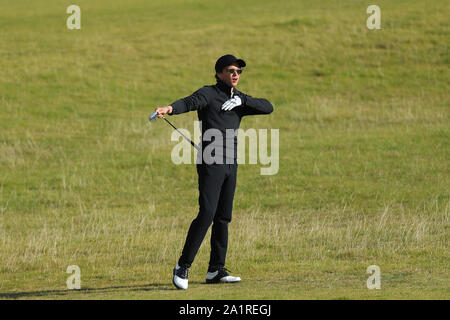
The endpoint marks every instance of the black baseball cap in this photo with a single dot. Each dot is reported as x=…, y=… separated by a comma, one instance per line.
x=228, y=60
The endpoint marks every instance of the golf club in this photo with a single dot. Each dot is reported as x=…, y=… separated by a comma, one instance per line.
x=154, y=116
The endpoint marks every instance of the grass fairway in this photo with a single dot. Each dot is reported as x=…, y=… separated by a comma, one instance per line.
x=363, y=119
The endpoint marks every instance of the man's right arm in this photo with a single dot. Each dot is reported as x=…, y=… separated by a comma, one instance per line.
x=195, y=101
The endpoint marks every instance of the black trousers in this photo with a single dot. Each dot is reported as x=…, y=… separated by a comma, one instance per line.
x=216, y=183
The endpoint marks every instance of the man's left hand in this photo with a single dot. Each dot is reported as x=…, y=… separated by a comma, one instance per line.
x=231, y=103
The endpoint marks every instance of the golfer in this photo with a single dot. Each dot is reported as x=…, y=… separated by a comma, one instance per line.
x=219, y=107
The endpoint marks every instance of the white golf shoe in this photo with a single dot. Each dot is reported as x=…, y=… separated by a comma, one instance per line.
x=180, y=277
x=220, y=275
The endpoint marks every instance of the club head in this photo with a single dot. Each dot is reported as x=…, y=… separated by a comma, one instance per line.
x=153, y=116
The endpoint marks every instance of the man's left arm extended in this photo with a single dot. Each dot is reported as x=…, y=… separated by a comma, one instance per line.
x=254, y=106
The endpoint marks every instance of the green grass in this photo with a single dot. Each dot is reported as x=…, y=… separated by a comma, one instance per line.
x=364, y=148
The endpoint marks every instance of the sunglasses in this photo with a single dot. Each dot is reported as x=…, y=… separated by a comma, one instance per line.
x=231, y=70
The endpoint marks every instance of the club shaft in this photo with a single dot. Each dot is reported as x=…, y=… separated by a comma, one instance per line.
x=189, y=140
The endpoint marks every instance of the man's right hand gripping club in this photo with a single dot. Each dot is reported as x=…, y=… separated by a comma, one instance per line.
x=161, y=112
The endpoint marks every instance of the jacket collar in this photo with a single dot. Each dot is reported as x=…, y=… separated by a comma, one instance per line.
x=224, y=87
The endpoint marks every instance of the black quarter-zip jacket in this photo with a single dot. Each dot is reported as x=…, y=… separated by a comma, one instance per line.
x=208, y=101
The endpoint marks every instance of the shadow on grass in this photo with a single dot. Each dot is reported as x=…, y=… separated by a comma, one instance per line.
x=46, y=293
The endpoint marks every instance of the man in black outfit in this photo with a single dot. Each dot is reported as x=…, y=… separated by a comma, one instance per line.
x=219, y=107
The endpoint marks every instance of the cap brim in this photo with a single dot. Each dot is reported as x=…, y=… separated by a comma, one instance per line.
x=241, y=63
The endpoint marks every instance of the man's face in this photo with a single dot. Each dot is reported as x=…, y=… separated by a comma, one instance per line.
x=230, y=75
